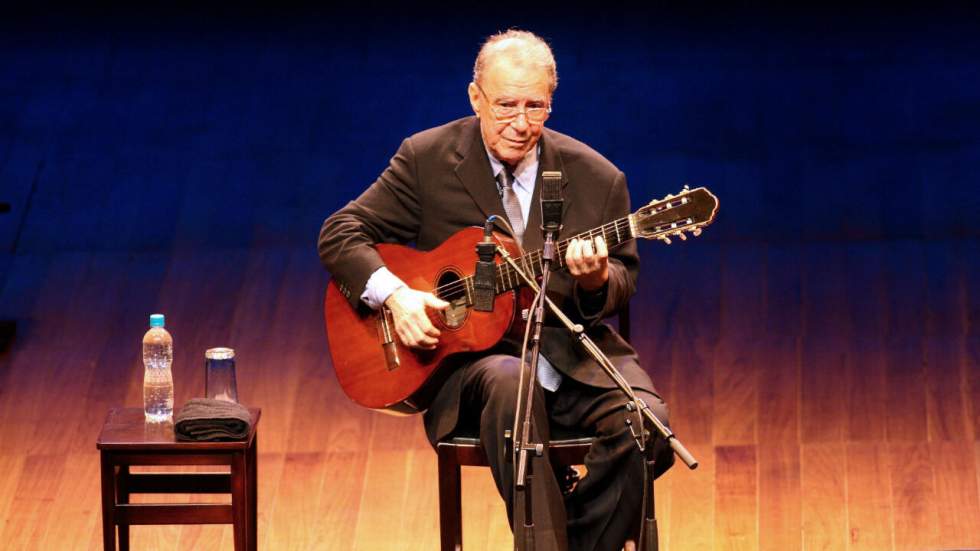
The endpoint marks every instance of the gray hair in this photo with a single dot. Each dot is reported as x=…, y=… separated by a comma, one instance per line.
x=523, y=47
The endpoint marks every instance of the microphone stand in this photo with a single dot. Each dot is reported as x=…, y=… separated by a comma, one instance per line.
x=524, y=441
x=649, y=536
x=524, y=444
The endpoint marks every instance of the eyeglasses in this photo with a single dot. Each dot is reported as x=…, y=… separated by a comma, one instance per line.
x=508, y=113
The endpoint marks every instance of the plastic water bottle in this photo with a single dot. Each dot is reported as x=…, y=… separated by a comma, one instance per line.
x=158, y=380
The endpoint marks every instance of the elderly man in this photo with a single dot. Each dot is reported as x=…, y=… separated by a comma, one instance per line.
x=454, y=176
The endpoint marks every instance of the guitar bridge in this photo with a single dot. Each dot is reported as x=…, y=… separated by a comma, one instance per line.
x=386, y=333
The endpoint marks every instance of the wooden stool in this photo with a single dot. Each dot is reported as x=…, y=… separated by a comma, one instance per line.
x=467, y=451
x=127, y=440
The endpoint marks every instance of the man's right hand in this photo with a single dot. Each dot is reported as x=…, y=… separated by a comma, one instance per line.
x=408, y=309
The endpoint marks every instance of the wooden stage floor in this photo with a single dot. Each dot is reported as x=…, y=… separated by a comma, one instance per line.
x=831, y=392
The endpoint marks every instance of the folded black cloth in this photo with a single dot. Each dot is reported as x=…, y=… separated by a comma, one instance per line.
x=204, y=419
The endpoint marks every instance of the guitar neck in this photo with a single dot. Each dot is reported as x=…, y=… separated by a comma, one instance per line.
x=688, y=211
x=613, y=233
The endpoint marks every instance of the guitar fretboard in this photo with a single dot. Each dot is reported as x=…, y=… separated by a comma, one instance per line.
x=613, y=233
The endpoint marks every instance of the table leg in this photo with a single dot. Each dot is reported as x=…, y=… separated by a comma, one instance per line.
x=253, y=494
x=450, y=501
x=122, y=496
x=239, y=499
x=108, y=503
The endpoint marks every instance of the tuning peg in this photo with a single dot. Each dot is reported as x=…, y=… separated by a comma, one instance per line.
x=687, y=187
x=665, y=239
x=696, y=232
x=681, y=235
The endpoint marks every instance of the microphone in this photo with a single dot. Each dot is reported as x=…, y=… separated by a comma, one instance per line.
x=485, y=276
x=551, y=201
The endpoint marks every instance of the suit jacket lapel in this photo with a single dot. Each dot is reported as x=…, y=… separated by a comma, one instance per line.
x=475, y=174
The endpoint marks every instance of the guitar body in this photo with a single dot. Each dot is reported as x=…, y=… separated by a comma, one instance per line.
x=373, y=367
x=376, y=371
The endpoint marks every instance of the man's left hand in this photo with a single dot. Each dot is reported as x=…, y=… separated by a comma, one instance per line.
x=588, y=262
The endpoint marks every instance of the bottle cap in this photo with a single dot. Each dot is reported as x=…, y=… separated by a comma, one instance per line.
x=156, y=320
x=219, y=354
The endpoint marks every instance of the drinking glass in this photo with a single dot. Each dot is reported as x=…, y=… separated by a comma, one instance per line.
x=219, y=374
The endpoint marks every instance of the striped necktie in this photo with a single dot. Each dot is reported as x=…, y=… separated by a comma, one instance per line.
x=548, y=376
x=511, y=205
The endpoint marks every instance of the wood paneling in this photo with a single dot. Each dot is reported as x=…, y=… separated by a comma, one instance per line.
x=780, y=497
x=914, y=496
x=869, y=497
x=736, y=498
x=691, y=397
x=823, y=483
x=866, y=390
x=971, y=384
x=735, y=392
x=692, y=502
x=822, y=417
x=957, y=503
x=777, y=360
x=906, y=389
x=30, y=513
x=945, y=396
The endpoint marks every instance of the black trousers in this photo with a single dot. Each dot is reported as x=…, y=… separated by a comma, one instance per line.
x=606, y=507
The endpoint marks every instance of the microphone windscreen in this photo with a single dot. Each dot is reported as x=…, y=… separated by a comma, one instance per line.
x=551, y=185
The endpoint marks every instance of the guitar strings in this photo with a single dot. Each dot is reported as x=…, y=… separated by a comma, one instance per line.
x=534, y=258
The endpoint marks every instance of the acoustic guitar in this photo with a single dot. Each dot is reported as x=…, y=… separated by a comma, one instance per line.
x=376, y=371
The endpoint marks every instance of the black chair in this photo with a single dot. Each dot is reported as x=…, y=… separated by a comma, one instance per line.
x=465, y=450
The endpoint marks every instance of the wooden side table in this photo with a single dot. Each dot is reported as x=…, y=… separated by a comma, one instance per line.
x=127, y=440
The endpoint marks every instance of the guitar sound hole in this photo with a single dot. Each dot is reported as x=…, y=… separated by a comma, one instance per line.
x=452, y=289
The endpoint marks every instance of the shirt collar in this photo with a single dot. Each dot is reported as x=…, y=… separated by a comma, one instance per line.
x=526, y=171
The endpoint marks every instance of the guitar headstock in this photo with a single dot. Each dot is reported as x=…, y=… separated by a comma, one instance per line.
x=674, y=215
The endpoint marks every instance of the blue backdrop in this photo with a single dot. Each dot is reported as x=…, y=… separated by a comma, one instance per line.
x=150, y=131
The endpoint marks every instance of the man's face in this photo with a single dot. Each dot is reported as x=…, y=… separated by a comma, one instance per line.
x=505, y=84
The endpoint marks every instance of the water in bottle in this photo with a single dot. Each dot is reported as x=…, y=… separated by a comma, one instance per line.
x=158, y=381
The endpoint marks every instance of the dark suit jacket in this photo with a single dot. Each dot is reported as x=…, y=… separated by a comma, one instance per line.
x=439, y=182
